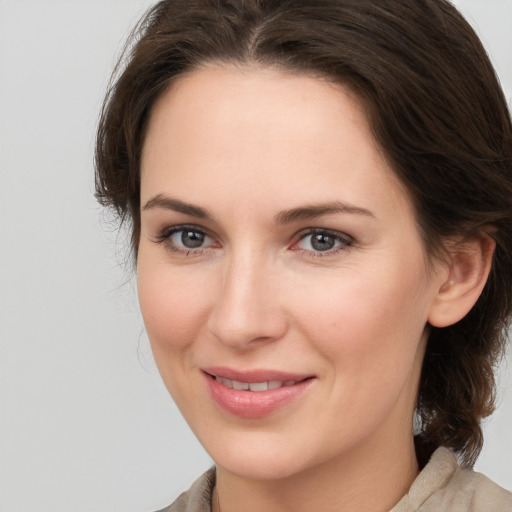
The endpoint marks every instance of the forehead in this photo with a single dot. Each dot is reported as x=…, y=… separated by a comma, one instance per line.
x=261, y=130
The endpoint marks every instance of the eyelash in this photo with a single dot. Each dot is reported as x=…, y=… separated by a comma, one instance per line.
x=165, y=238
x=344, y=241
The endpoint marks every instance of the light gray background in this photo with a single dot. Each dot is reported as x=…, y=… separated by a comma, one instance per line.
x=85, y=422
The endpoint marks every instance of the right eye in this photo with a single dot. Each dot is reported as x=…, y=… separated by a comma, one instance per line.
x=188, y=240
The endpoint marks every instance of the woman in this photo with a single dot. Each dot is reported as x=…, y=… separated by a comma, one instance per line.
x=320, y=195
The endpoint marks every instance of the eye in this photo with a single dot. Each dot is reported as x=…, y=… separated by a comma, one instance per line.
x=189, y=238
x=323, y=241
x=186, y=239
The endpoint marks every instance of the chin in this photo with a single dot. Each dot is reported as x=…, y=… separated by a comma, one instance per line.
x=259, y=455
x=260, y=467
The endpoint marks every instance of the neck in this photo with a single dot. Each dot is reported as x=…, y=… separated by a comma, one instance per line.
x=372, y=478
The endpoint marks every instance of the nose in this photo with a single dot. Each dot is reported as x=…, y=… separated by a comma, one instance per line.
x=247, y=309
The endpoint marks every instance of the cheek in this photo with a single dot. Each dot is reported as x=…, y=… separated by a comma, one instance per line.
x=371, y=337
x=365, y=325
x=172, y=306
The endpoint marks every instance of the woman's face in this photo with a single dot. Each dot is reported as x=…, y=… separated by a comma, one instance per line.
x=279, y=253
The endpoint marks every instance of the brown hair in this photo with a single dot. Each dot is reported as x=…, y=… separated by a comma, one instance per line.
x=436, y=108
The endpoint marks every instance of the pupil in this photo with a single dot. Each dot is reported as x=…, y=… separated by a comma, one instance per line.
x=322, y=242
x=192, y=239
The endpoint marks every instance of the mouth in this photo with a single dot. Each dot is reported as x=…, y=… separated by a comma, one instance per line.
x=254, y=394
x=255, y=386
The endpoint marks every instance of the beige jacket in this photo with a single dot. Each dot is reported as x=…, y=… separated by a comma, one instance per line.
x=442, y=486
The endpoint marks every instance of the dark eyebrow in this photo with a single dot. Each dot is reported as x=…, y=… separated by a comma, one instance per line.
x=167, y=203
x=283, y=217
x=317, y=210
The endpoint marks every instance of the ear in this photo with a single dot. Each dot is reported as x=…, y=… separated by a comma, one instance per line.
x=469, y=265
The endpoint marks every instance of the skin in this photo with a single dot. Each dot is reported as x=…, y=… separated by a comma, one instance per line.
x=246, y=144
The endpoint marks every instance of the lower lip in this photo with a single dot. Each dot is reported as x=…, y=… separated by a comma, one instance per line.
x=254, y=404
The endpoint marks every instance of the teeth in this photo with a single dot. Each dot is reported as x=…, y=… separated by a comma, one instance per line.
x=258, y=386
x=227, y=382
x=242, y=386
x=254, y=386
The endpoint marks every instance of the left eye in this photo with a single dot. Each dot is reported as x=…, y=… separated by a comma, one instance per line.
x=188, y=238
x=322, y=241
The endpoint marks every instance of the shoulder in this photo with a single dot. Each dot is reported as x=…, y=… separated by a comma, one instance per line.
x=197, y=498
x=445, y=486
x=476, y=491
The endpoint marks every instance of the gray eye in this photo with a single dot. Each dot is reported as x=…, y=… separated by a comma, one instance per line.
x=322, y=242
x=188, y=238
x=192, y=239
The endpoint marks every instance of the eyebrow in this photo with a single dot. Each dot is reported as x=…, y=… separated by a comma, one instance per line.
x=317, y=210
x=307, y=212
x=167, y=203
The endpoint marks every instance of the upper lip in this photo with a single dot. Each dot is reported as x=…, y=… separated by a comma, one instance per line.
x=257, y=375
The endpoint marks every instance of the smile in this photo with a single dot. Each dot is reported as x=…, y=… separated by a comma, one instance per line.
x=254, y=386
x=255, y=394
